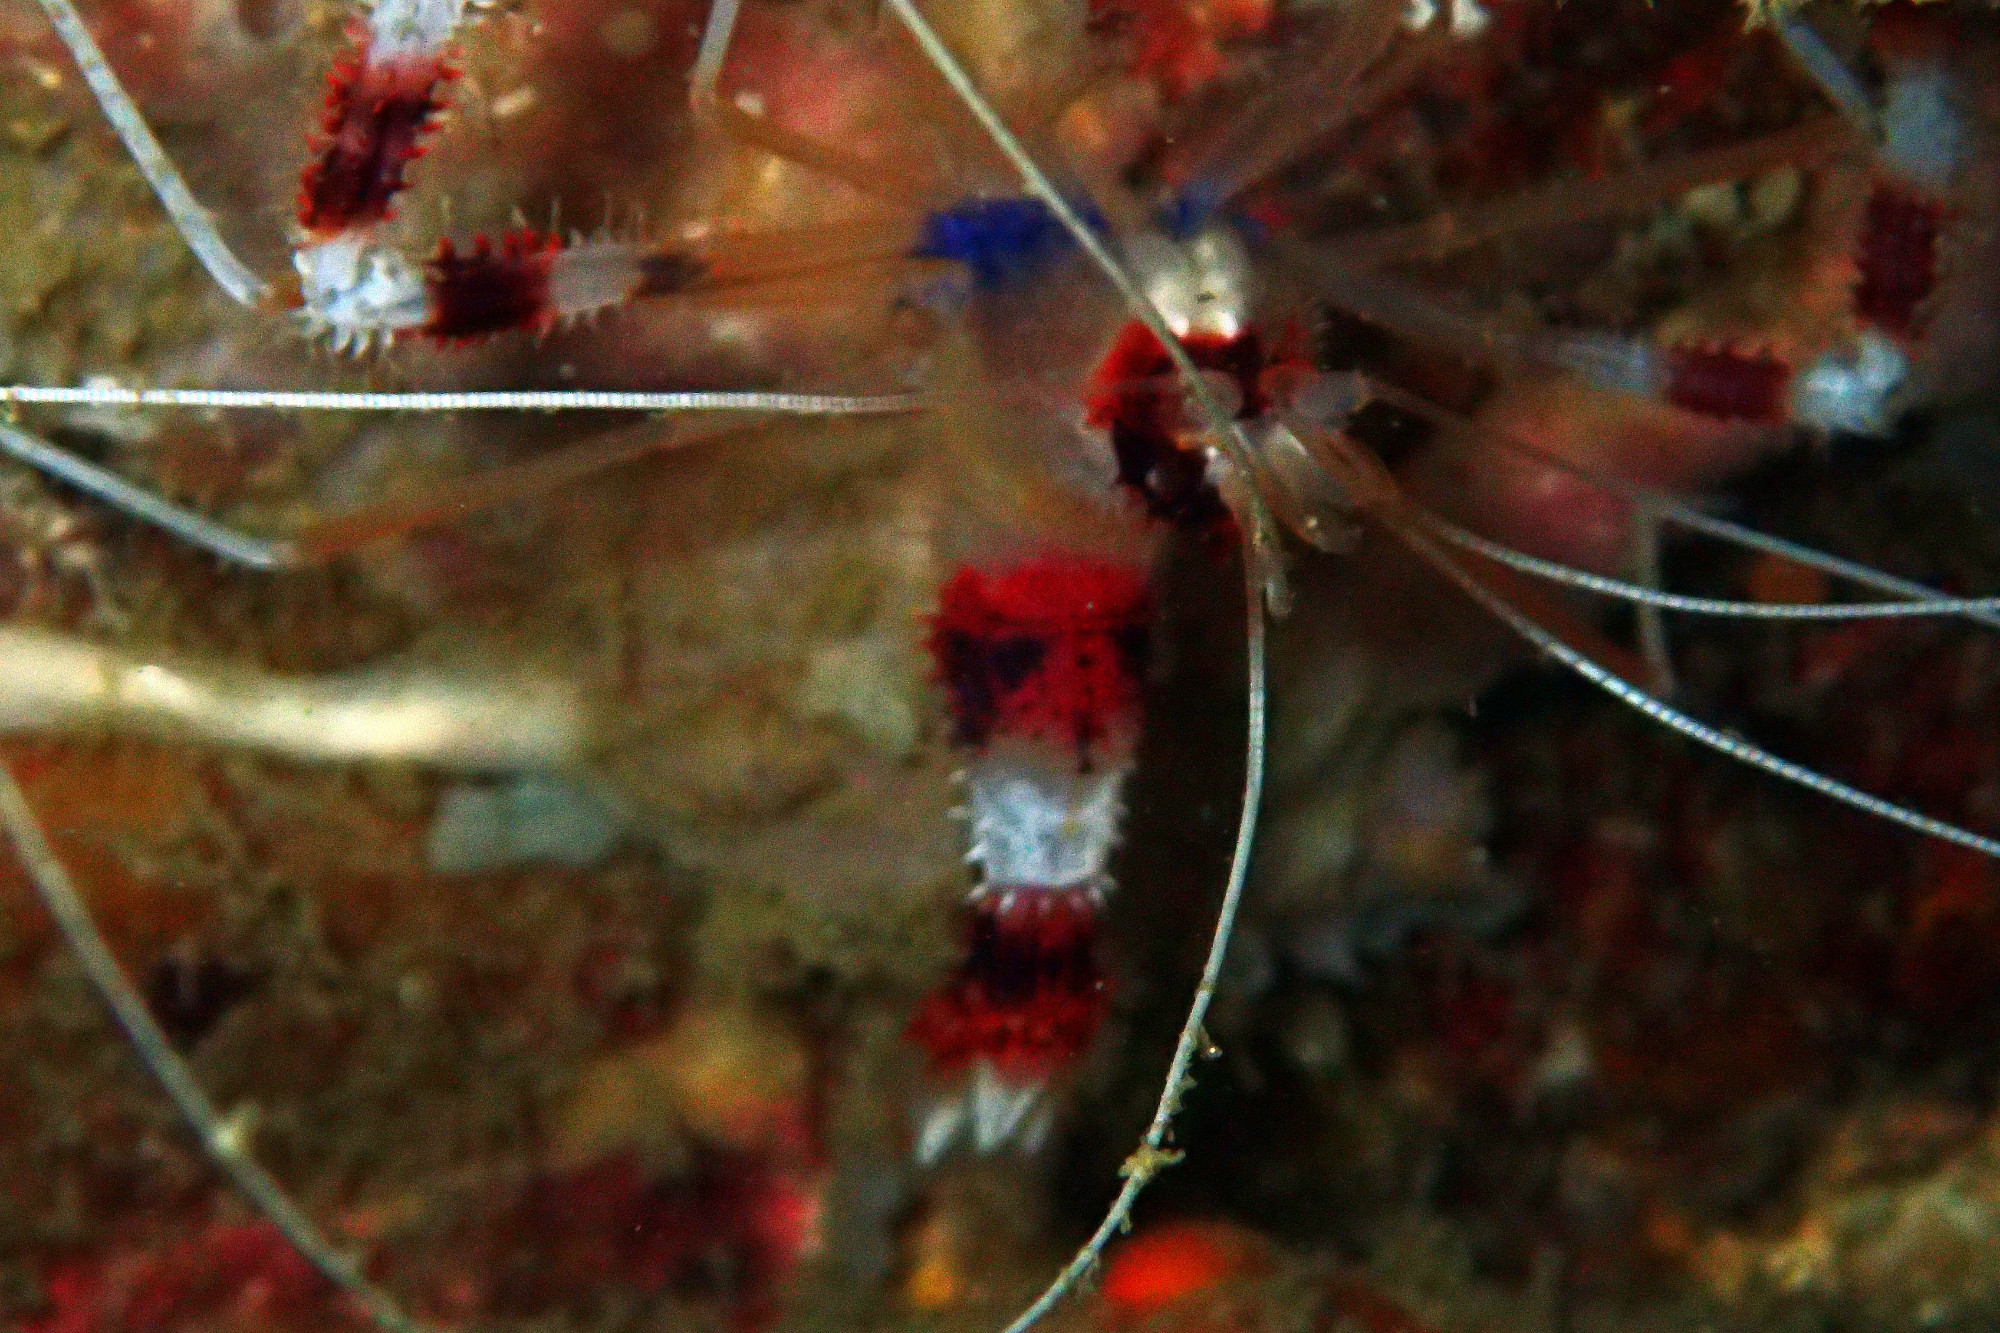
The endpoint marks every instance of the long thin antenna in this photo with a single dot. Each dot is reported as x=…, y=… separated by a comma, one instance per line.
x=196, y=529
x=1570, y=202
x=331, y=536
x=319, y=540
x=1672, y=718
x=1572, y=577
x=1723, y=529
x=219, y=1138
x=1264, y=554
x=1667, y=507
x=1655, y=646
x=1269, y=133
x=478, y=400
x=196, y=227
x=714, y=49
x=1153, y=1155
x=1809, y=48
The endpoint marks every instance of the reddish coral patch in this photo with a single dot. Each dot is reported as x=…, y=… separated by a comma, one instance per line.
x=376, y=116
x=1177, y=43
x=100, y=799
x=1948, y=959
x=1165, y=1265
x=1898, y=258
x=1694, y=78
x=1356, y=1302
x=1052, y=649
x=1028, y=997
x=229, y=1275
x=1726, y=384
x=1900, y=33
x=733, y=1225
x=492, y=289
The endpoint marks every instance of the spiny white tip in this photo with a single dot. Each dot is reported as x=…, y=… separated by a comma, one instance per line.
x=939, y=1130
x=357, y=291
x=401, y=29
x=1037, y=823
x=1000, y=1108
x=991, y=1111
x=1853, y=390
x=1468, y=19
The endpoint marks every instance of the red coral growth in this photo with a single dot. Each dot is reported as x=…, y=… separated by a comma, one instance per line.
x=1355, y=1303
x=243, y=1275
x=1900, y=33
x=1727, y=384
x=1948, y=960
x=1164, y=1265
x=1029, y=997
x=376, y=115
x=1479, y=1016
x=1549, y=88
x=734, y=1224
x=1898, y=259
x=1053, y=649
x=491, y=289
x=1178, y=43
x=1719, y=1046
x=1693, y=79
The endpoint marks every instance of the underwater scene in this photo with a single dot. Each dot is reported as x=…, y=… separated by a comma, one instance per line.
x=1115, y=666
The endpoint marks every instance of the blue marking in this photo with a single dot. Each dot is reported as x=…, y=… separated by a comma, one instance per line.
x=1000, y=240
x=1188, y=213
x=1191, y=211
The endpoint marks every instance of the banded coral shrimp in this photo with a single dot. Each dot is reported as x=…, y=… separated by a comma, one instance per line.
x=608, y=1078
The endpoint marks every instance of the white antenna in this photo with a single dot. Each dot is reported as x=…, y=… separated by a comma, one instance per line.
x=475, y=400
x=714, y=49
x=1572, y=577
x=222, y=1140
x=319, y=541
x=1672, y=718
x=196, y=227
x=1666, y=507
